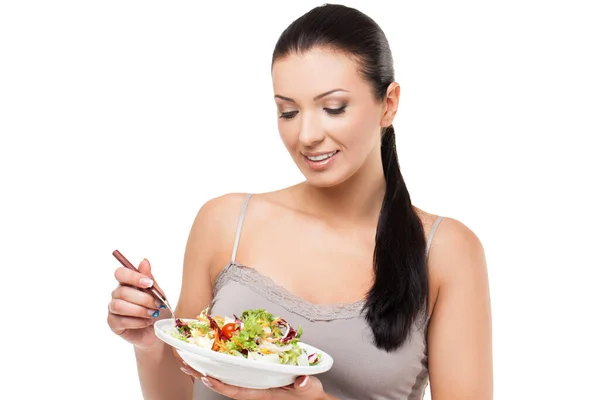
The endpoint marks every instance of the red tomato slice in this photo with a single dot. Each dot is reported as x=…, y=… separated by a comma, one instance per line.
x=228, y=330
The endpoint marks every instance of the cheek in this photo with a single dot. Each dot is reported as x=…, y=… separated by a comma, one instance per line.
x=287, y=134
x=356, y=132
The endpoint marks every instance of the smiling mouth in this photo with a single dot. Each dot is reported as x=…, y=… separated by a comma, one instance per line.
x=322, y=157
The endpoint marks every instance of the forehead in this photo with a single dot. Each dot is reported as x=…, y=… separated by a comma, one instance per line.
x=316, y=71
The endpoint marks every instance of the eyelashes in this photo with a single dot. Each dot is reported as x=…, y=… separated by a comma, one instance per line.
x=331, y=111
x=288, y=115
x=336, y=111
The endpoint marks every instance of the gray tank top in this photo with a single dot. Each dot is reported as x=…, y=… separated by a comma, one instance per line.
x=360, y=371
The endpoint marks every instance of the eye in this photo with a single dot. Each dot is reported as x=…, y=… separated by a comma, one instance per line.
x=335, y=111
x=288, y=115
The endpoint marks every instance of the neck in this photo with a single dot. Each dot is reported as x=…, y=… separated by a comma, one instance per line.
x=357, y=200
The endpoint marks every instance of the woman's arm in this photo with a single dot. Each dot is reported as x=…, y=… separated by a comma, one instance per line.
x=460, y=330
x=159, y=371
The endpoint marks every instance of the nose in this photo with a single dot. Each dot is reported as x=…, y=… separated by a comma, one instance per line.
x=311, y=131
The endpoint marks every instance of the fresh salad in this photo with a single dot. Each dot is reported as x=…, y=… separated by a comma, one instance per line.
x=256, y=335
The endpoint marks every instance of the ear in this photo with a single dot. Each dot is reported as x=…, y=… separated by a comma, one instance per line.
x=391, y=101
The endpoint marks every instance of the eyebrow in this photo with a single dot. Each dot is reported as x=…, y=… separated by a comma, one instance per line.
x=315, y=98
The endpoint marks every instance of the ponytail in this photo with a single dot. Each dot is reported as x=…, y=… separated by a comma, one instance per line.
x=400, y=291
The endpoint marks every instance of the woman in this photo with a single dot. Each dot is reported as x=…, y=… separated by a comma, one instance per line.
x=399, y=297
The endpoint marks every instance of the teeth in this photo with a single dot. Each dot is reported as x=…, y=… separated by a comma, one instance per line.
x=321, y=157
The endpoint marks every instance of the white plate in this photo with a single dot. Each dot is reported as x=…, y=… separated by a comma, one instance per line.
x=239, y=371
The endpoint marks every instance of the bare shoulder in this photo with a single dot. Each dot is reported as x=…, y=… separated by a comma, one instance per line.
x=214, y=227
x=267, y=207
x=212, y=230
x=427, y=220
x=217, y=211
x=459, y=335
x=456, y=252
x=456, y=255
x=219, y=216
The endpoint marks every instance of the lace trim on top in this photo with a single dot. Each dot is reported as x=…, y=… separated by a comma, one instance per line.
x=266, y=287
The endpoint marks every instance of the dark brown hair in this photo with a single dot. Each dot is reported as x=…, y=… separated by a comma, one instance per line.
x=400, y=290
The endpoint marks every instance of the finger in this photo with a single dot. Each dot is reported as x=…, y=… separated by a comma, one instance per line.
x=145, y=269
x=135, y=296
x=186, y=369
x=234, y=392
x=119, y=324
x=127, y=309
x=183, y=366
x=126, y=276
x=302, y=383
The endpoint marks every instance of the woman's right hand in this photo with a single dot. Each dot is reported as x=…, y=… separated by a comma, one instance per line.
x=131, y=311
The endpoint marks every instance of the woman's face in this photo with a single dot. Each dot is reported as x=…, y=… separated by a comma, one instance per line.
x=329, y=120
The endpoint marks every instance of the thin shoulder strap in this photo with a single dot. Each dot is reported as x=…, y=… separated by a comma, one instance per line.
x=432, y=233
x=239, y=227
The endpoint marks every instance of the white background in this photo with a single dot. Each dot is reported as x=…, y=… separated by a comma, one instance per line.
x=119, y=119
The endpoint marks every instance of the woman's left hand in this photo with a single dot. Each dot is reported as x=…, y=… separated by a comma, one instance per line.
x=305, y=387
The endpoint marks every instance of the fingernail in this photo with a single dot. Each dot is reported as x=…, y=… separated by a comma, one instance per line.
x=303, y=382
x=186, y=365
x=146, y=282
x=155, y=314
x=157, y=304
x=185, y=371
x=206, y=381
x=162, y=306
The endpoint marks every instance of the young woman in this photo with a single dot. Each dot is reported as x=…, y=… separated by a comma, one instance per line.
x=399, y=297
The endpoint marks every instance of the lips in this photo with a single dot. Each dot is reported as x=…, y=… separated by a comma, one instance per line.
x=320, y=161
x=320, y=156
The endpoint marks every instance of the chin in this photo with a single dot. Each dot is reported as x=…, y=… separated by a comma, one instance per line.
x=326, y=176
x=325, y=179
x=323, y=183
